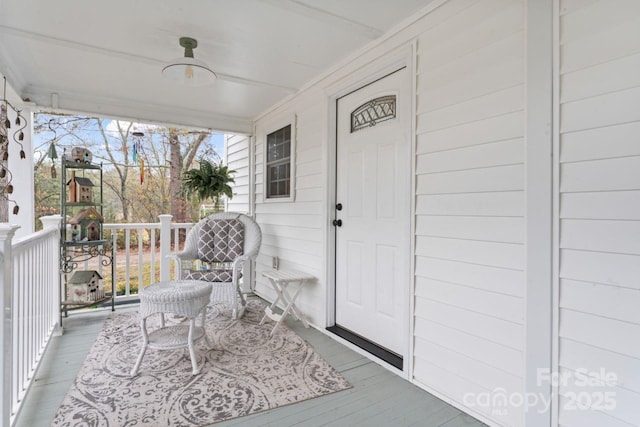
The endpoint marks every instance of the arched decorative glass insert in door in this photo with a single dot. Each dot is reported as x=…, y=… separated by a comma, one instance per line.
x=373, y=112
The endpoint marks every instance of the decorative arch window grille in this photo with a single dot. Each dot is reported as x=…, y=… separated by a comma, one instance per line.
x=373, y=112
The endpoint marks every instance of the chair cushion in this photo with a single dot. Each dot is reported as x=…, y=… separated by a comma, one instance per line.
x=210, y=275
x=221, y=240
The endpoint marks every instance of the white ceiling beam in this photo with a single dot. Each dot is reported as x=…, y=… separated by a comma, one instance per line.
x=135, y=110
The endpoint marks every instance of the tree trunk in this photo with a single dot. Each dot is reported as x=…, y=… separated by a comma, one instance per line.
x=178, y=204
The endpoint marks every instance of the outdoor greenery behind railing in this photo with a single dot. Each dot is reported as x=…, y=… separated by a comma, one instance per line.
x=138, y=254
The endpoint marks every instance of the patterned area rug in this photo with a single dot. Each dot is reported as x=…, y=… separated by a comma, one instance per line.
x=247, y=371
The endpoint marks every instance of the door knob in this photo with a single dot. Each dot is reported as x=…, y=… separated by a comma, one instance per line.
x=337, y=222
x=339, y=207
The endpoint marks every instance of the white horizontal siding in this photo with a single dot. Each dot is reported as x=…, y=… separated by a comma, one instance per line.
x=622, y=403
x=598, y=79
x=492, y=254
x=470, y=204
x=601, y=332
x=601, y=235
x=622, y=140
x=493, y=229
x=573, y=417
x=500, y=178
x=621, y=205
x=500, y=128
x=621, y=173
x=482, y=325
x=605, y=39
x=496, y=305
x=506, y=203
x=617, y=269
x=599, y=223
x=500, y=153
x=450, y=382
x=607, y=301
x=584, y=356
x=294, y=230
x=501, y=18
x=602, y=110
x=238, y=160
x=474, y=276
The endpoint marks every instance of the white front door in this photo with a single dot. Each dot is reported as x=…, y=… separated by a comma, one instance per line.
x=373, y=191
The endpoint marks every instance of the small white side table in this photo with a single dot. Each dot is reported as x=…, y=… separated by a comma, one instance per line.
x=280, y=280
x=187, y=298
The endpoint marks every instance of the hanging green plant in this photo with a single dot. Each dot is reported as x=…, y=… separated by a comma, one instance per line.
x=209, y=181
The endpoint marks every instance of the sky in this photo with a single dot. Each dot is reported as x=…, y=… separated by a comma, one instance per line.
x=42, y=139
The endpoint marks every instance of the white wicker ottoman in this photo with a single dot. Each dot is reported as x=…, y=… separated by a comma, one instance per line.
x=184, y=298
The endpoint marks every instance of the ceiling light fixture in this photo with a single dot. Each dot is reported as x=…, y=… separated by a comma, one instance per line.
x=188, y=70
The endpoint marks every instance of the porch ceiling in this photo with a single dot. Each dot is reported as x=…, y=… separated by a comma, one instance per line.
x=105, y=58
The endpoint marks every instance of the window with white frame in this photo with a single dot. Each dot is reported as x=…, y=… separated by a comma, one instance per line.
x=278, y=170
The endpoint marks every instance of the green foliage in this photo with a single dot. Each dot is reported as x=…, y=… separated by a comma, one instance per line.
x=209, y=181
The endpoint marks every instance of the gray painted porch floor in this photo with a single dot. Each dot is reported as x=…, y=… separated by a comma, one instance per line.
x=378, y=397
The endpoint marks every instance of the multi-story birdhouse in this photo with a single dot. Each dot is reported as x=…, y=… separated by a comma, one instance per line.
x=80, y=189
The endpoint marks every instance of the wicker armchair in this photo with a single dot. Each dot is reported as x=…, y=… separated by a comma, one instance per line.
x=216, y=250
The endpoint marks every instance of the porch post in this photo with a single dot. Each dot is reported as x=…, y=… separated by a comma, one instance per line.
x=50, y=221
x=165, y=246
x=539, y=208
x=7, y=231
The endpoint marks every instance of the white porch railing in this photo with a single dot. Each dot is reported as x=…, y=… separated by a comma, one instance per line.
x=30, y=307
x=30, y=290
x=141, y=255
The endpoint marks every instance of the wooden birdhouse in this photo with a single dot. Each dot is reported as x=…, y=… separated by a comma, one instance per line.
x=80, y=189
x=93, y=230
x=85, y=286
x=89, y=221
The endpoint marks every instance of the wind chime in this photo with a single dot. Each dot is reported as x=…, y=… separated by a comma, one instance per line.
x=7, y=134
x=138, y=153
x=52, y=153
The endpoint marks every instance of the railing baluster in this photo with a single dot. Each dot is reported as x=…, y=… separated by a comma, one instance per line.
x=165, y=245
x=140, y=259
x=152, y=249
x=127, y=251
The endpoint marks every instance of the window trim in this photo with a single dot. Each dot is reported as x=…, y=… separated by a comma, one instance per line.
x=274, y=126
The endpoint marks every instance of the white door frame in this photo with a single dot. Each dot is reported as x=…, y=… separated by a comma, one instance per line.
x=375, y=70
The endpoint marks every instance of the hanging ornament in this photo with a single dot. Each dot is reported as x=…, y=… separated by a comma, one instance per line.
x=6, y=186
x=53, y=154
x=136, y=145
x=141, y=171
